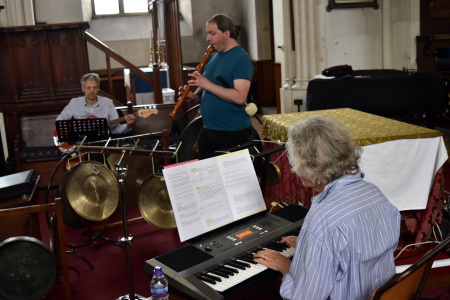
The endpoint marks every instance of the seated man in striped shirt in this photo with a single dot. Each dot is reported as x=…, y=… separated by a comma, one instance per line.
x=346, y=244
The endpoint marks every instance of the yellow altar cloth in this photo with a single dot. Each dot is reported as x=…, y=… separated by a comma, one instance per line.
x=365, y=129
x=403, y=160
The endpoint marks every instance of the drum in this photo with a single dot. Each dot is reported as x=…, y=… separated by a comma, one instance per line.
x=27, y=268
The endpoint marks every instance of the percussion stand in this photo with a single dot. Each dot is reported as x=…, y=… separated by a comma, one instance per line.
x=126, y=239
x=92, y=238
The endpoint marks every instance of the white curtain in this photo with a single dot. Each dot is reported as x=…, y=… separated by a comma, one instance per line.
x=17, y=13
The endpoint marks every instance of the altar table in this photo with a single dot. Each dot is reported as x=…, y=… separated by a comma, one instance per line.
x=403, y=160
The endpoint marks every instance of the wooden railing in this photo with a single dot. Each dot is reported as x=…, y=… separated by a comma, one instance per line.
x=154, y=80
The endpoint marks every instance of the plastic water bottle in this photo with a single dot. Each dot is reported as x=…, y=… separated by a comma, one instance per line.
x=159, y=285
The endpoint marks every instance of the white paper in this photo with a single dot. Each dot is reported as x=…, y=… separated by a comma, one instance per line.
x=207, y=194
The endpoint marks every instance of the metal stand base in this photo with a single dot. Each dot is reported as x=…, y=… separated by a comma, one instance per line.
x=136, y=297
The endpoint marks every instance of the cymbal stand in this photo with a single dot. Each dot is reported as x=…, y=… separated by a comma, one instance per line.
x=126, y=239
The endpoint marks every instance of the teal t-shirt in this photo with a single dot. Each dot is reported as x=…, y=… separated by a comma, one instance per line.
x=218, y=114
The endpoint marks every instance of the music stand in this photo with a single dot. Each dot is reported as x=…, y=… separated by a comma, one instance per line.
x=73, y=131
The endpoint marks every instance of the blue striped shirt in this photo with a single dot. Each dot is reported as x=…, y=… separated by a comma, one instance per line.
x=104, y=108
x=346, y=244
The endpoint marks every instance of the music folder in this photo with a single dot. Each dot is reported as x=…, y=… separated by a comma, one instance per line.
x=94, y=129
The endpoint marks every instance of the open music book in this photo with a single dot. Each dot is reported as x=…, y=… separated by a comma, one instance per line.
x=210, y=193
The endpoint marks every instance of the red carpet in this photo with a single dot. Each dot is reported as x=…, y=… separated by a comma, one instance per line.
x=109, y=278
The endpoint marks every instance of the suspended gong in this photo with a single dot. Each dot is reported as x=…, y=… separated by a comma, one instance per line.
x=273, y=175
x=92, y=191
x=154, y=203
x=70, y=216
x=138, y=169
x=27, y=268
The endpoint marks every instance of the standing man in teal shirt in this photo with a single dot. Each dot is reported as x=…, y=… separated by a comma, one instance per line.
x=223, y=88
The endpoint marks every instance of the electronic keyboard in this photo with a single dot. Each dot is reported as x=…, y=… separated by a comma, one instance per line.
x=220, y=265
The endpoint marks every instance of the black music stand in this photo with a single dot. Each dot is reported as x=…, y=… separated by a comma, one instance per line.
x=73, y=131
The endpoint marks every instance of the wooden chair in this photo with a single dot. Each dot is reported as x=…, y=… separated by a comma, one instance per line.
x=412, y=280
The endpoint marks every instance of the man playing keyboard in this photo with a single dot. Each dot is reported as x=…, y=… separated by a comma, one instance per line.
x=346, y=244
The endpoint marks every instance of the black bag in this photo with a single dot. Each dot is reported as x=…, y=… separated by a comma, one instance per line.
x=338, y=71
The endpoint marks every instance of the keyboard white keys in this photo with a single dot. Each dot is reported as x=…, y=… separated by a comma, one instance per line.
x=243, y=275
x=231, y=281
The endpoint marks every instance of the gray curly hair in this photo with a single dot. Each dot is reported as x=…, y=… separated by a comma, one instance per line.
x=90, y=76
x=320, y=149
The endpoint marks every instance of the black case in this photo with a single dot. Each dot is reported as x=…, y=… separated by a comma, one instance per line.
x=18, y=184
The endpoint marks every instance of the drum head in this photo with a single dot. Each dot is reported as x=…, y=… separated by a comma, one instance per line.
x=27, y=268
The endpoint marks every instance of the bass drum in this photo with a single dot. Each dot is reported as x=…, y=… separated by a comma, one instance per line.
x=70, y=217
x=27, y=269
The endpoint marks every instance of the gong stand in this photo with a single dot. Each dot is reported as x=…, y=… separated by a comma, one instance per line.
x=51, y=220
x=126, y=240
x=167, y=154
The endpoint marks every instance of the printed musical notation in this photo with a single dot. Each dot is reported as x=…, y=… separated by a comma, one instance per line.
x=207, y=194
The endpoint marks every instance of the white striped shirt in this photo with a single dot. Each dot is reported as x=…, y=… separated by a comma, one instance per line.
x=346, y=244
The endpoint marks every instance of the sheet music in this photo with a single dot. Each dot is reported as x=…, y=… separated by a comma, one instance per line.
x=210, y=193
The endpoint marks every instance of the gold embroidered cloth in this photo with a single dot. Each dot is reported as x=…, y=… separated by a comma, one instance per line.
x=365, y=129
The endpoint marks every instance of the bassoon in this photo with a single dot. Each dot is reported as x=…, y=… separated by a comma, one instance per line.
x=187, y=88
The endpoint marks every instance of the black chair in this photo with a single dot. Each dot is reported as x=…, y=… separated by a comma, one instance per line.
x=412, y=280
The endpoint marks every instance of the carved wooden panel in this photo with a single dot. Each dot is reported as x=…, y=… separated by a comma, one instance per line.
x=41, y=66
x=67, y=49
x=7, y=81
x=31, y=62
x=40, y=71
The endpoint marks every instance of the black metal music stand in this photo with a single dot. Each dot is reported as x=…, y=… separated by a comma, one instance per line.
x=73, y=131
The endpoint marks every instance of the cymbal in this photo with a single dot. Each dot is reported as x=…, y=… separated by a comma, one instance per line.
x=138, y=169
x=273, y=175
x=92, y=191
x=154, y=203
